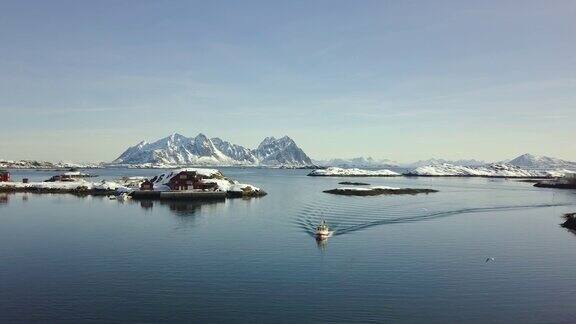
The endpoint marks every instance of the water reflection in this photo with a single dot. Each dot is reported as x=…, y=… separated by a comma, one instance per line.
x=180, y=207
x=5, y=197
x=146, y=204
x=322, y=244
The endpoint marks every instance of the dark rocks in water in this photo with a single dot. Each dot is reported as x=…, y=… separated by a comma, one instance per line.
x=354, y=183
x=379, y=191
x=570, y=221
x=246, y=194
x=556, y=184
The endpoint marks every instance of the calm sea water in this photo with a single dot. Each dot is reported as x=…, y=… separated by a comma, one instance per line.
x=392, y=258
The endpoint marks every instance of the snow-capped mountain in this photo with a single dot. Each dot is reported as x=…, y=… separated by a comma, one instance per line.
x=236, y=152
x=177, y=149
x=534, y=162
x=469, y=162
x=282, y=151
x=359, y=162
x=340, y=172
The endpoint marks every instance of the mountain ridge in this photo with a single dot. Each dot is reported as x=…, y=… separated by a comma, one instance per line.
x=540, y=162
x=177, y=149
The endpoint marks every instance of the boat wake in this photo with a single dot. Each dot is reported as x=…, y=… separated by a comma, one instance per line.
x=351, y=218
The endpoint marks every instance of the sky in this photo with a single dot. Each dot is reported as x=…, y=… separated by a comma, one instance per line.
x=401, y=80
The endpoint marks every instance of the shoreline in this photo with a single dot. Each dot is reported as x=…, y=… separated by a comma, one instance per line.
x=137, y=194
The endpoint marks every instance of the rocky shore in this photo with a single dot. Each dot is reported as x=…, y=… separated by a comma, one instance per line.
x=555, y=184
x=78, y=191
x=210, y=183
x=569, y=221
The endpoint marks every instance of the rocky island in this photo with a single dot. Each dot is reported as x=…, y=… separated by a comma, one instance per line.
x=188, y=183
x=377, y=191
x=351, y=183
x=568, y=181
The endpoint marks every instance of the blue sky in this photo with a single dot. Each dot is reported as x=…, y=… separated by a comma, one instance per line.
x=405, y=80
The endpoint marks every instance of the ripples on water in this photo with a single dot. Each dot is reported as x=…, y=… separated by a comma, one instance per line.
x=65, y=259
x=346, y=214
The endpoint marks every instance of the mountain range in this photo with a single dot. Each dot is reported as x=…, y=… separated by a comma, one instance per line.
x=358, y=162
x=525, y=161
x=535, y=162
x=433, y=161
x=178, y=149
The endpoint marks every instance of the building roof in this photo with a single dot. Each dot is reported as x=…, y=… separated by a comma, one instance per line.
x=165, y=178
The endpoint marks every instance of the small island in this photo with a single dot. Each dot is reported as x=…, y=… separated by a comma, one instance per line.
x=377, y=191
x=349, y=183
x=568, y=181
x=184, y=184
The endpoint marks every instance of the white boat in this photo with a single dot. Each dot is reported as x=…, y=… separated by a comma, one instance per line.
x=322, y=230
x=123, y=197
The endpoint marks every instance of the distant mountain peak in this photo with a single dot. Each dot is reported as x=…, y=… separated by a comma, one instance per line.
x=538, y=162
x=283, y=151
x=436, y=161
x=267, y=141
x=359, y=162
x=177, y=149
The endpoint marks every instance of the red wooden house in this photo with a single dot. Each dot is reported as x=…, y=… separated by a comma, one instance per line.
x=4, y=176
x=188, y=180
x=179, y=180
x=184, y=180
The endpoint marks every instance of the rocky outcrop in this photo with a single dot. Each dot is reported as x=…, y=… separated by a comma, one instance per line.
x=377, y=191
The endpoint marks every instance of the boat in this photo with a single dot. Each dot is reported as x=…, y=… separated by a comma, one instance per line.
x=123, y=196
x=322, y=231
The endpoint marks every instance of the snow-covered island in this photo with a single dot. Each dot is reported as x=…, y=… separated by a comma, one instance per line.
x=78, y=186
x=45, y=165
x=197, y=180
x=189, y=183
x=377, y=190
x=341, y=172
x=495, y=170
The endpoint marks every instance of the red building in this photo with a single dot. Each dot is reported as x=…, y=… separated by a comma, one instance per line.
x=179, y=180
x=185, y=180
x=4, y=176
x=188, y=180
